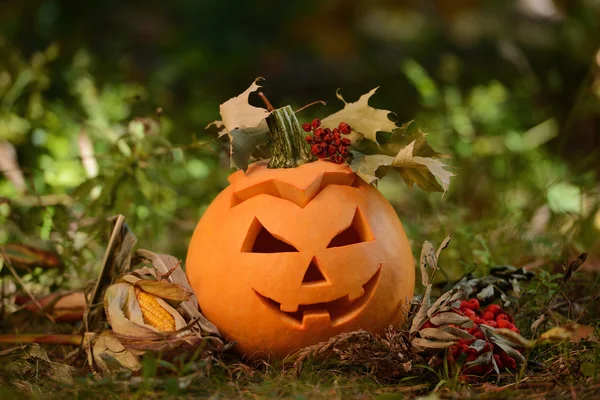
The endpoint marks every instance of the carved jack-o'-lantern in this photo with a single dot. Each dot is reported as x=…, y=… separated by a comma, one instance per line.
x=288, y=257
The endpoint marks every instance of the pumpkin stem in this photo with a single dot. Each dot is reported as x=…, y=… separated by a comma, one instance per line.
x=289, y=148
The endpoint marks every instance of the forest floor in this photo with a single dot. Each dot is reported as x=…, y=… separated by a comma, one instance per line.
x=557, y=291
x=569, y=370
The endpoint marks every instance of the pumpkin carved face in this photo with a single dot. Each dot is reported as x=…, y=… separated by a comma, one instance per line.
x=286, y=258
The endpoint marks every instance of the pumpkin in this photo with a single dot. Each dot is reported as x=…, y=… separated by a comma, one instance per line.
x=285, y=258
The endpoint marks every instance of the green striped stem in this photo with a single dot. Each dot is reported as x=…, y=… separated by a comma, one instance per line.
x=288, y=146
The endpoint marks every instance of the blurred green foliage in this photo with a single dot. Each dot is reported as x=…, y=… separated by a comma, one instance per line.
x=509, y=90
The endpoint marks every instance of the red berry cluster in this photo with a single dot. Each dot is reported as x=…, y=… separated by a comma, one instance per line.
x=327, y=143
x=494, y=316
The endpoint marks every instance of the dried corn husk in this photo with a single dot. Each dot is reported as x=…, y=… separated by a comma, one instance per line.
x=125, y=317
x=134, y=303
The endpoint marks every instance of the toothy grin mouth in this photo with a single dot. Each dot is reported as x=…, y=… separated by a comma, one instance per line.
x=337, y=311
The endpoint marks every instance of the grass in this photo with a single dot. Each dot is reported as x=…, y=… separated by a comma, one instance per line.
x=567, y=370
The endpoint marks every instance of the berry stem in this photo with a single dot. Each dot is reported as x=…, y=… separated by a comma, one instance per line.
x=289, y=148
x=310, y=104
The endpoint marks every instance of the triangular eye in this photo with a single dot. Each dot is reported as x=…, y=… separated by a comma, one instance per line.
x=260, y=240
x=357, y=232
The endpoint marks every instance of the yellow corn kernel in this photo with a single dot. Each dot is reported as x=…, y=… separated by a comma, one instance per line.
x=153, y=314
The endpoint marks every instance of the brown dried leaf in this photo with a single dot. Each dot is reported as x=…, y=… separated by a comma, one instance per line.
x=414, y=164
x=570, y=332
x=437, y=334
x=430, y=344
x=483, y=359
x=574, y=266
x=109, y=354
x=426, y=255
x=421, y=316
x=365, y=120
x=63, y=307
x=446, y=300
x=462, y=334
x=443, y=245
x=164, y=263
x=117, y=261
x=32, y=363
x=536, y=324
x=21, y=254
x=165, y=290
x=451, y=318
x=515, y=338
x=238, y=113
x=503, y=343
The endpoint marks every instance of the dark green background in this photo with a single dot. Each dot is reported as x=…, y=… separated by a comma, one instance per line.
x=476, y=75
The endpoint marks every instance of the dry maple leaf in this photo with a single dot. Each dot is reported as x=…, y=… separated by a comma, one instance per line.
x=414, y=169
x=238, y=113
x=406, y=150
x=245, y=125
x=365, y=120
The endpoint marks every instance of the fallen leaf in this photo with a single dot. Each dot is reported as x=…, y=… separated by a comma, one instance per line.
x=365, y=120
x=450, y=318
x=63, y=307
x=483, y=359
x=536, y=324
x=446, y=300
x=421, y=316
x=21, y=254
x=110, y=354
x=515, y=338
x=486, y=293
x=478, y=345
x=31, y=363
x=570, y=332
x=458, y=332
x=509, y=346
x=437, y=334
x=574, y=266
x=430, y=344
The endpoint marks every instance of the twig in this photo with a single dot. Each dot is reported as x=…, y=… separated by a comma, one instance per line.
x=310, y=104
x=169, y=272
x=266, y=101
x=18, y=279
x=74, y=340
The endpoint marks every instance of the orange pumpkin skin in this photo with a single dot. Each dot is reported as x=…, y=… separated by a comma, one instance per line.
x=286, y=258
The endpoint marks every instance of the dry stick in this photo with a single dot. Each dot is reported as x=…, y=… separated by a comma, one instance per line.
x=266, y=101
x=74, y=340
x=169, y=272
x=18, y=279
x=310, y=104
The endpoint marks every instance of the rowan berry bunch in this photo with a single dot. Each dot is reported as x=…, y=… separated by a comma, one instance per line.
x=327, y=143
x=494, y=316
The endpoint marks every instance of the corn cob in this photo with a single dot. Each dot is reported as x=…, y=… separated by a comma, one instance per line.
x=153, y=314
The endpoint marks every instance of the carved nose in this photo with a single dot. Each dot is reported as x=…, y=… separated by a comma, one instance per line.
x=313, y=274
